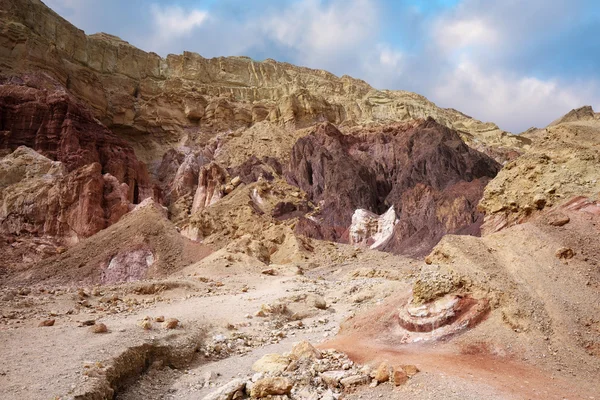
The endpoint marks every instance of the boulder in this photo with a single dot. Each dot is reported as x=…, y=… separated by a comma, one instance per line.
x=271, y=363
x=271, y=387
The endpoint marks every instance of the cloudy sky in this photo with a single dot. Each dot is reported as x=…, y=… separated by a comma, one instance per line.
x=516, y=63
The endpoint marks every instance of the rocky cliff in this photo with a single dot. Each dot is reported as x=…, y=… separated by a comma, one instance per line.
x=431, y=178
x=134, y=92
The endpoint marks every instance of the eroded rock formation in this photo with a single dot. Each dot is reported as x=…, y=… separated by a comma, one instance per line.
x=56, y=125
x=39, y=197
x=423, y=169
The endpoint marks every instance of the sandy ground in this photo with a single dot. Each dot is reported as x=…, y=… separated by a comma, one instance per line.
x=216, y=308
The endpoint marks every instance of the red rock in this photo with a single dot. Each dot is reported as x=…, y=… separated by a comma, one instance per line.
x=558, y=219
x=399, y=376
x=430, y=176
x=61, y=128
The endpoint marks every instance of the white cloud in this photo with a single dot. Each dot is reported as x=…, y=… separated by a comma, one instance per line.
x=173, y=22
x=465, y=33
x=389, y=57
x=321, y=31
x=514, y=102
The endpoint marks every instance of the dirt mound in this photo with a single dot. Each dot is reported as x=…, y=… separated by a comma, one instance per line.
x=543, y=277
x=144, y=244
x=423, y=169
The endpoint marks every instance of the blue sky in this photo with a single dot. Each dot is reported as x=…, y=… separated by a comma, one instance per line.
x=516, y=63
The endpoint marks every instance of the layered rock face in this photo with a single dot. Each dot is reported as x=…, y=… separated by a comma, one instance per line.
x=56, y=125
x=423, y=169
x=138, y=92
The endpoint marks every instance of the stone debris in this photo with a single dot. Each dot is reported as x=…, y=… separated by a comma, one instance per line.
x=171, y=323
x=271, y=387
x=146, y=324
x=565, y=253
x=309, y=373
x=99, y=328
x=227, y=391
x=48, y=322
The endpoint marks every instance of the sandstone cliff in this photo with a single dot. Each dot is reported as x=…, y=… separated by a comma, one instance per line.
x=135, y=92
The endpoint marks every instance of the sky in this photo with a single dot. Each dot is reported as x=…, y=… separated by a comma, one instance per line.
x=515, y=63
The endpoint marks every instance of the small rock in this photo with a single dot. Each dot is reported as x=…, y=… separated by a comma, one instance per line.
x=318, y=302
x=209, y=376
x=160, y=319
x=411, y=370
x=305, y=350
x=271, y=387
x=269, y=271
x=48, y=322
x=236, y=181
x=558, y=219
x=382, y=373
x=226, y=392
x=147, y=325
x=399, y=376
x=354, y=380
x=565, y=253
x=271, y=363
x=171, y=323
x=88, y=322
x=99, y=328
x=333, y=378
x=539, y=201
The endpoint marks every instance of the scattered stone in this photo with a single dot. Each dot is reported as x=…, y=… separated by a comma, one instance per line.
x=565, y=253
x=171, y=323
x=558, y=219
x=382, y=373
x=271, y=387
x=354, y=380
x=226, y=392
x=305, y=350
x=399, y=376
x=48, y=322
x=160, y=319
x=88, y=322
x=271, y=363
x=147, y=325
x=99, y=328
x=333, y=378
